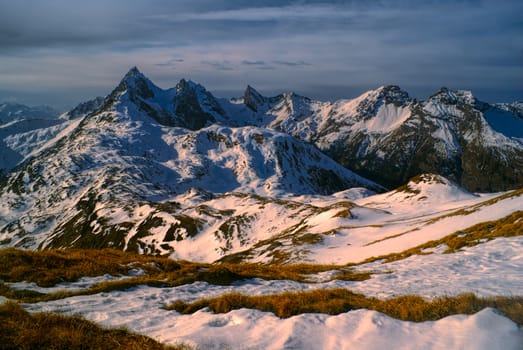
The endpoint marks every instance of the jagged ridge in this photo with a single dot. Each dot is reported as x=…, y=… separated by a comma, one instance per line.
x=152, y=170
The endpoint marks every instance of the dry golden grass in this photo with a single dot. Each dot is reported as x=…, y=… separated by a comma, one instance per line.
x=347, y=274
x=47, y=268
x=336, y=301
x=21, y=330
x=391, y=237
x=217, y=276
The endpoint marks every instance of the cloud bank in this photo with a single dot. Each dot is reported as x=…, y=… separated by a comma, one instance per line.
x=62, y=52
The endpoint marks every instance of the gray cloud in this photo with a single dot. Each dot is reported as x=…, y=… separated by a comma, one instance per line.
x=262, y=65
x=219, y=65
x=254, y=63
x=170, y=63
x=293, y=63
x=65, y=51
x=272, y=13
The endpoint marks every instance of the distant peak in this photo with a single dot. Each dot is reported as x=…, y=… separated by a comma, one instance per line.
x=252, y=98
x=185, y=84
x=389, y=88
x=84, y=108
x=292, y=96
x=388, y=94
x=134, y=71
x=136, y=84
x=251, y=90
x=134, y=74
x=448, y=96
x=182, y=85
x=392, y=90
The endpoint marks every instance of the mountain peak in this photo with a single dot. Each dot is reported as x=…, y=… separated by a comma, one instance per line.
x=369, y=102
x=389, y=88
x=134, y=71
x=431, y=188
x=252, y=98
x=383, y=94
x=391, y=93
x=136, y=84
x=134, y=74
x=184, y=85
x=249, y=90
x=448, y=96
x=84, y=108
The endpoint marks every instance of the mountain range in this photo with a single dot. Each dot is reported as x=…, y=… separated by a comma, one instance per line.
x=178, y=171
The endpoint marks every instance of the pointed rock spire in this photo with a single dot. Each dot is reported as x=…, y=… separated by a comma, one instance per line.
x=252, y=98
x=133, y=71
x=136, y=84
x=190, y=97
x=182, y=85
x=189, y=86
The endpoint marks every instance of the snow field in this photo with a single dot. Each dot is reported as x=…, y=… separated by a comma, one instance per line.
x=489, y=269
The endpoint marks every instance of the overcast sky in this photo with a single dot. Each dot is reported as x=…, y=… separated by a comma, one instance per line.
x=61, y=52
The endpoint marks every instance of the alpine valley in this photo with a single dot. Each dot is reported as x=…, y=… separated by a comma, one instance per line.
x=424, y=195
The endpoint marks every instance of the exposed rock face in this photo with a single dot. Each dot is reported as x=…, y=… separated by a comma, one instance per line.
x=253, y=99
x=187, y=105
x=188, y=108
x=388, y=137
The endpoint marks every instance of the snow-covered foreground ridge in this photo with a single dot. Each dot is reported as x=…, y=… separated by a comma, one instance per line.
x=359, y=329
x=490, y=268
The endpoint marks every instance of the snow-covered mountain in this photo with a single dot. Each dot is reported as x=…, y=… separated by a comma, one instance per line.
x=182, y=173
x=179, y=171
x=23, y=129
x=187, y=105
x=11, y=111
x=83, y=109
x=389, y=137
x=129, y=154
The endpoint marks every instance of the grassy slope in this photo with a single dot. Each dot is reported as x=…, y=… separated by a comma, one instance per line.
x=21, y=330
x=336, y=301
x=47, y=268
